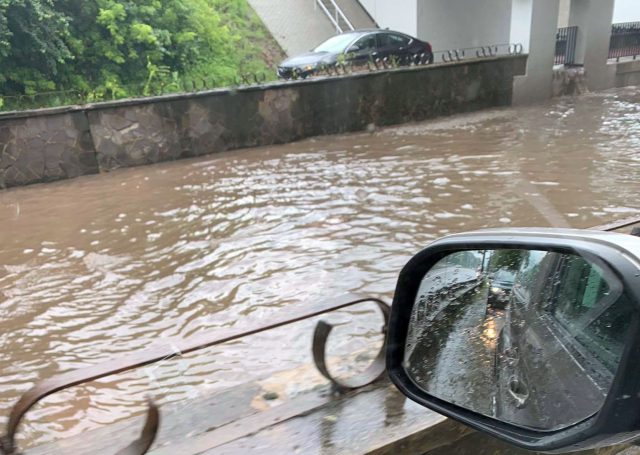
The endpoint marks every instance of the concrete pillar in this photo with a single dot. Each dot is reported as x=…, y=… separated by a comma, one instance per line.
x=534, y=24
x=563, y=14
x=593, y=18
x=457, y=24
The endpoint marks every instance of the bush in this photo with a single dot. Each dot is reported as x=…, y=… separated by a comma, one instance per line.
x=106, y=49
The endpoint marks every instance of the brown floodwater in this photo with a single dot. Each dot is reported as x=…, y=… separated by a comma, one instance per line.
x=98, y=266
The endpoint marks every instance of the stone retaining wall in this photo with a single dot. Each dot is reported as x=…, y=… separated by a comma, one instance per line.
x=53, y=144
x=628, y=73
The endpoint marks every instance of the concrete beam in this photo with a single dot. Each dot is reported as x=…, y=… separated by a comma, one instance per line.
x=457, y=24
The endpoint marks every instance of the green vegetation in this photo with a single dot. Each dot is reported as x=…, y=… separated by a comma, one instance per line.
x=507, y=259
x=56, y=52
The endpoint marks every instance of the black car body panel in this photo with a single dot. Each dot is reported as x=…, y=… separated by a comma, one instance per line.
x=582, y=363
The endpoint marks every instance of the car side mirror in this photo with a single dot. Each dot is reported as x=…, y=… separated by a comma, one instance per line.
x=529, y=335
x=353, y=48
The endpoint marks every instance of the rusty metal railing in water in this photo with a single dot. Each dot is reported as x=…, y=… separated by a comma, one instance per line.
x=179, y=346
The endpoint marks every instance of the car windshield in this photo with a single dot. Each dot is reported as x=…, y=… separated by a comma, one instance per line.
x=336, y=44
x=504, y=276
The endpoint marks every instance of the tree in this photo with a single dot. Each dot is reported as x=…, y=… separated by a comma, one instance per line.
x=506, y=259
x=33, y=49
x=116, y=48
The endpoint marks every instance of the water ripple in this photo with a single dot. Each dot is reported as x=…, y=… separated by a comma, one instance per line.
x=99, y=266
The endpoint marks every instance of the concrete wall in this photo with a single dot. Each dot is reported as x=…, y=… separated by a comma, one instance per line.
x=593, y=18
x=397, y=15
x=539, y=41
x=53, y=144
x=627, y=73
x=446, y=24
x=563, y=13
x=520, y=32
x=455, y=24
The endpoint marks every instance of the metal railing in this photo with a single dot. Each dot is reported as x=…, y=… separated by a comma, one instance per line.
x=462, y=54
x=565, y=52
x=179, y=346
x=335, y=15
x=393, y=62
x=625, y=40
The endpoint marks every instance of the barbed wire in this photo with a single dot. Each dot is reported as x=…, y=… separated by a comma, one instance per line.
x=191, y=85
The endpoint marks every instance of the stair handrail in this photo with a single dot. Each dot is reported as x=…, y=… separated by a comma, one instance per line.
x=338, y=15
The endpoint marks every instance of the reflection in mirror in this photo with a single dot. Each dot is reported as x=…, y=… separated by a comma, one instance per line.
x=528, y=337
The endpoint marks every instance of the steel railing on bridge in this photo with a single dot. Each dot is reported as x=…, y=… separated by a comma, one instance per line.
x=331, y=9
x=566, y=38
x=625, y=40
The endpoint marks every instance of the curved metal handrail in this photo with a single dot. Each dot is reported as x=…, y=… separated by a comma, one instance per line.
x=375, y=370
x=177, y=346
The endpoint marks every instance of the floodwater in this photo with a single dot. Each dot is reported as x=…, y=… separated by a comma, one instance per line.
x=102, y=265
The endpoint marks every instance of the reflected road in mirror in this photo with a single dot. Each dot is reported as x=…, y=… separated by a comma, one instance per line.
x=532, y=338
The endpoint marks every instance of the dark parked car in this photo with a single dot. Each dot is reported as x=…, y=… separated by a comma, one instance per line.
x=359, y=46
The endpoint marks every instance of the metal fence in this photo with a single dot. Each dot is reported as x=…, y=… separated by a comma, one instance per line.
x=493, y=50
x=625, y=40
x=177, y=347
x=566, y=45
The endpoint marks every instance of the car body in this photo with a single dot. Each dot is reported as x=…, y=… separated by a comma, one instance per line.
x=547, y=345
x=357, y=47
x=500, y=286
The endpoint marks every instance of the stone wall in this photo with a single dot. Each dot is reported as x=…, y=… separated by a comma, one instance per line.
x=43, y=148
x=52, y=144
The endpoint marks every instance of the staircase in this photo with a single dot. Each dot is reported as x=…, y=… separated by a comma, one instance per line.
x=300, y=25
x=335, y=15
x=356, y=13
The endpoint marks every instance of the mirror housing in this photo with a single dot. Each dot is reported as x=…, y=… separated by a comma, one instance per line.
x=618, y=419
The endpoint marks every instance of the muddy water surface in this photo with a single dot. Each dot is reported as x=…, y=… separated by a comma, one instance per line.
x=98, y=266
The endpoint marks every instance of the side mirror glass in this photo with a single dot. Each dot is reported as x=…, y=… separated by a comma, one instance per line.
x=519, y=335
x=529, y=337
